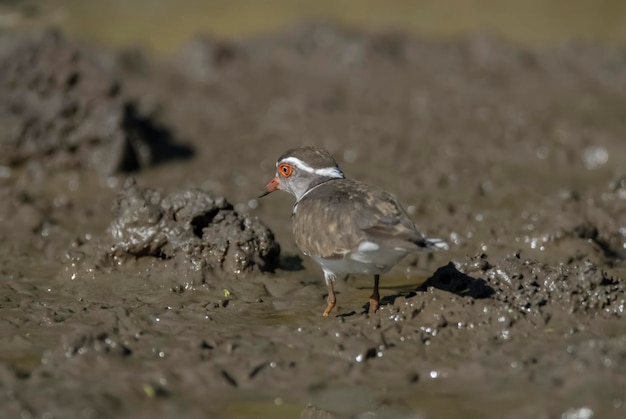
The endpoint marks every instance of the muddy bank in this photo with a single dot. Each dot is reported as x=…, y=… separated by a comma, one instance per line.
x=152, y=297
x=63, y=107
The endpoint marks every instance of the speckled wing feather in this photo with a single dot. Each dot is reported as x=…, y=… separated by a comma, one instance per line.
x=332, y=219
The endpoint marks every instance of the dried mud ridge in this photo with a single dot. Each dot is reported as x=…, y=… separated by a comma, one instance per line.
x=64, y=108
x=168, y=295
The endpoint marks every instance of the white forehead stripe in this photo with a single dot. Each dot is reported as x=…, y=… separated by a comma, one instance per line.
x=333, y=172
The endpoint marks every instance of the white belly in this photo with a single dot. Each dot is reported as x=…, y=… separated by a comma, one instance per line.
x=374, y=262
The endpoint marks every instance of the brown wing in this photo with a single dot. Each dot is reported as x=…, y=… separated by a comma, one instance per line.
x=386, y=223
x=335, y=217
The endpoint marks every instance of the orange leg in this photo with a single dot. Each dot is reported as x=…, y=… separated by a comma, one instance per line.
x=331, y=300
x=375, y=298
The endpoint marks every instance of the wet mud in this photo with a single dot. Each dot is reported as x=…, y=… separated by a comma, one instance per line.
x=141, y=277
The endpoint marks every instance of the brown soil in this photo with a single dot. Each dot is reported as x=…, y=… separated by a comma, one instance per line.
x=166, y=295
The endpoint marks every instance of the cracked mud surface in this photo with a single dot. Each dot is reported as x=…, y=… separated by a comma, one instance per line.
x=166, y=295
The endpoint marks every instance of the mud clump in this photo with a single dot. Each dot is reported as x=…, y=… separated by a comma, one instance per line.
x=190, y=226
x=529, y=286
x=532, y=290
x=63, y=107
x=590, y=227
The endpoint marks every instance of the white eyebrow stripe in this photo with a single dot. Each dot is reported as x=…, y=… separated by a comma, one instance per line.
x=334, y=172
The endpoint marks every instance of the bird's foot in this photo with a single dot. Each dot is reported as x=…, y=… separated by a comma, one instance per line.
x=374, y=304
x=375, y=297
x=329, y=308
x=332, y=299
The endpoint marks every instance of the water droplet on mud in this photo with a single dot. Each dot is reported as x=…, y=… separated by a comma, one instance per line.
x=542, y=152
x=595, y=156
x=240, y=208
x=486, y=187
x=579, y=413
x=5, y=172
x=112, y=182
x=397, y=317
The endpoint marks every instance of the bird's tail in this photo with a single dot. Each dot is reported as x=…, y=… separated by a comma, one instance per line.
x=436, y=244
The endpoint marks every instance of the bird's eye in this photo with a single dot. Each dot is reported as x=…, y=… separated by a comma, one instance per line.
x=285, y=169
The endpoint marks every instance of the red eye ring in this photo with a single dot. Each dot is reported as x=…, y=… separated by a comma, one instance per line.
x=285, y=169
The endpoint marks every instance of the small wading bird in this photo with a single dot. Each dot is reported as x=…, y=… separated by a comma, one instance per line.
x=346, y=226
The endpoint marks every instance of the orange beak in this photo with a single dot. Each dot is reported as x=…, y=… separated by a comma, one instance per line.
x=271, y=186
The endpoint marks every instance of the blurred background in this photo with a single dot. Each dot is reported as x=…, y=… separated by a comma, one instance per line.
x=162, y=25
